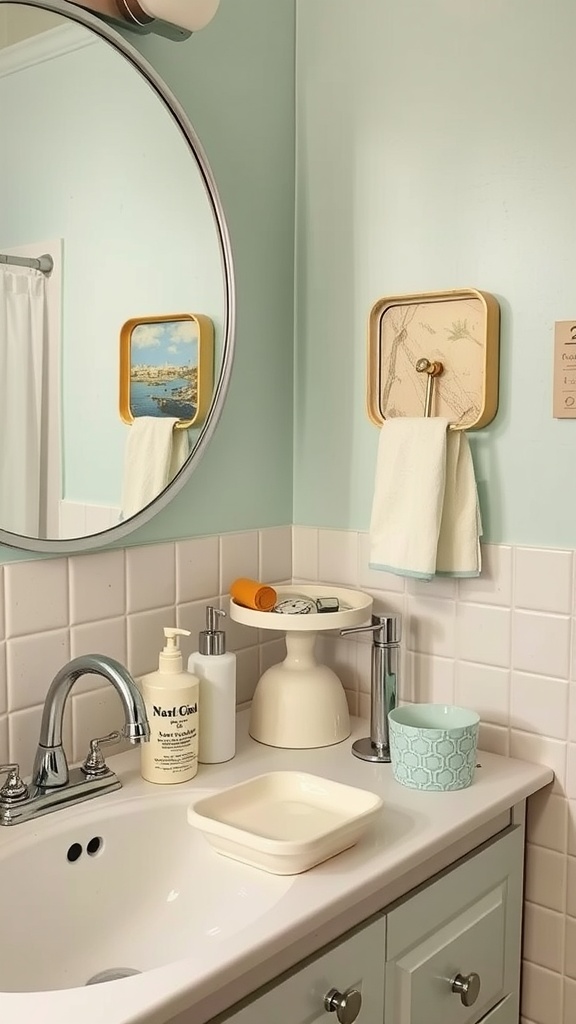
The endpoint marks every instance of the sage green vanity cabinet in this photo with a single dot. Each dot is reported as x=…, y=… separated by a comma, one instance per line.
x=446, y=953
x=353, y=965
x=464, y=925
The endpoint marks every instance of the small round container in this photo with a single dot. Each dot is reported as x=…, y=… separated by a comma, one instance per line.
x=433, y=746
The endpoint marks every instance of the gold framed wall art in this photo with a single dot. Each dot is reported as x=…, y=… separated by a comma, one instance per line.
x=457, y=331
x=167, y=367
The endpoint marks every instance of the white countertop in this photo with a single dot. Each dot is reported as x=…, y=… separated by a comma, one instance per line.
x=414, y=827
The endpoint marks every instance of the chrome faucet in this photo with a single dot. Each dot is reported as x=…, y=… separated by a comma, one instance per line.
x=386, y=630
x=53, y=785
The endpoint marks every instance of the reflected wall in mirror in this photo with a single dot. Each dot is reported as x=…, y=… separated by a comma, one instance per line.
x=102, y=170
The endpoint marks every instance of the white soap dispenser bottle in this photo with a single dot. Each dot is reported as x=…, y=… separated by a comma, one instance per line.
x=171, y=696
x=216, y=670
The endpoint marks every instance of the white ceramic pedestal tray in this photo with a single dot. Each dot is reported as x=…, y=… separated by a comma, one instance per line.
x=300, y=703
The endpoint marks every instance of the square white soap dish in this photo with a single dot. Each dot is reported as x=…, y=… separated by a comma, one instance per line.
x=284, y=822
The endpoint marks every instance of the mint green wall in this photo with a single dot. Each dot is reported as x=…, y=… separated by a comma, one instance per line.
x=236, y=81
x=435, y=149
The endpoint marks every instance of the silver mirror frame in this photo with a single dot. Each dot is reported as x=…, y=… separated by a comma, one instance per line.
x=180, y=117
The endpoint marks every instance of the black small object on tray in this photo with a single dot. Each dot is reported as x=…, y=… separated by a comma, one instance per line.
x=327, y=604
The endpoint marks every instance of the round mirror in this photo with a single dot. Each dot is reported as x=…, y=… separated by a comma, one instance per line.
x=116, y=351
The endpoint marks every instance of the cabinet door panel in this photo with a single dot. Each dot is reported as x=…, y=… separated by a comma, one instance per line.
x=472, y=941
x=358, y=963
x=466, y=922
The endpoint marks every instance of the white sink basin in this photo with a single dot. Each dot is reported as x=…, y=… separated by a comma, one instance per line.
x=151, y=892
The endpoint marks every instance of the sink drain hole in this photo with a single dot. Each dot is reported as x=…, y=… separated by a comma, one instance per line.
x=94, y=846
x=113, y=974
x=74, y=852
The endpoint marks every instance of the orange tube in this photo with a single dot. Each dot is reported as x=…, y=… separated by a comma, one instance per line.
x=252, y=594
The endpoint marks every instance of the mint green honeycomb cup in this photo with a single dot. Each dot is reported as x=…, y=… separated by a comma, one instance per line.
x=433, y=746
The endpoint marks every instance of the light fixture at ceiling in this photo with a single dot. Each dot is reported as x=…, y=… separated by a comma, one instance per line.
x=190, y=15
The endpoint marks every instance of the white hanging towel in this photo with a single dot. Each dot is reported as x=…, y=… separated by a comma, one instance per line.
x=425, y=513
x=154, y=453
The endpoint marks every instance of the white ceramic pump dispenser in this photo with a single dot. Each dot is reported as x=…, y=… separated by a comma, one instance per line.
x=171, y=696
x=216, y=670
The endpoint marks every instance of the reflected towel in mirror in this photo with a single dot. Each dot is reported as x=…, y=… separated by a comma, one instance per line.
x=154, y=454
x=425, y=513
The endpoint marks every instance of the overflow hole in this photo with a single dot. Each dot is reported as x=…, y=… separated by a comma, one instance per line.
x=74, y=852
x=95, y=845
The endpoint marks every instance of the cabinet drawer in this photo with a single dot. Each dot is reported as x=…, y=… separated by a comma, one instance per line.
x=299, y=999
x=467, y=922
x=505, y=1013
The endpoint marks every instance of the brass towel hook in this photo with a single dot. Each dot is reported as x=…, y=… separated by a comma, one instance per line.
x=433, y=370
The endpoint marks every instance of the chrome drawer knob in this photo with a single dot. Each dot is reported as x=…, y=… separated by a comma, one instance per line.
x=347, y=1005
x=467, y=986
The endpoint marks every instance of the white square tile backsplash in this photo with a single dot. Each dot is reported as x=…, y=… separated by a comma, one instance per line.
x=36, y=596
x=338, y=557
x=571, y=902
x=546, y=878
x=101, y=595
x=150, y=577
x=547, y=821
x=31, y=662
x=571, y=771
x=430, y=625
x=494, y=586
x=485, y=689
x=370, y=579
x=502, y=644
x=4, y=739
x=427, y=679
x=197, y=569
x=305, y=553
x=275, y=554
x=544, y=936
x=539, y=704
x=543, y=580
x=542, y=992
x=3, y=687
x=541, y=643
x=239, y=556
x=106, y=636
x=483, y=634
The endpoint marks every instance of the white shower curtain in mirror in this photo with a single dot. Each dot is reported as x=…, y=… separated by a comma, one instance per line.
x=22, y=344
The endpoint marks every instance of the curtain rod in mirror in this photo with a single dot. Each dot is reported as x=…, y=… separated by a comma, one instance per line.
x=43, y=263
x=190, y=15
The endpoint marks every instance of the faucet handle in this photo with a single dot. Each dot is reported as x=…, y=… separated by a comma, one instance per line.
x=94, y=763
x=14, y=788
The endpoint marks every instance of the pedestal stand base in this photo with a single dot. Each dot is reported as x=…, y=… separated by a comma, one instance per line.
x=299, y=703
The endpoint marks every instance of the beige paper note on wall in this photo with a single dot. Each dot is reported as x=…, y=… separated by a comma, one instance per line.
x=564, y=405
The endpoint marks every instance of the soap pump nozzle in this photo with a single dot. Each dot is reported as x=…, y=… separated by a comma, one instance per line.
x=171, y=656
x=212, y=640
